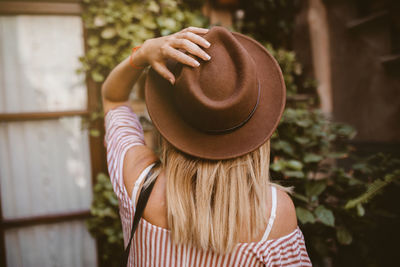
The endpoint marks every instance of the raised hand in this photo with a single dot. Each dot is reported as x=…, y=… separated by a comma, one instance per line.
x=156, y=51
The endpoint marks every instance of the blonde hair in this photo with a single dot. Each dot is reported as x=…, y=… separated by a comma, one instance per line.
x=210, y=203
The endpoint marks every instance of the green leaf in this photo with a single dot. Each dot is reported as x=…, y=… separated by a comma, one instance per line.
x=340, y=155
x=179, y=15
x=165, y=32
x=277, y=165
x=113, y=200
x=315, y=188
x=361, y=166
x=360, y=210
x=144, y=34
x=304, y=123
x=169, y=3
x=294, y=164
x=108, y=33
x=167, y=23
x=96, y=115
x=300, y=197
x=304, y=216
x=94, y=132
x=297, y=68
x=311, y=157
x=373, y=189
x=99, y=21
x=153, y=7
x=284, y=146
x=302, y=140
x=346, y=130
x=295, y=174
x=343, y=236
x=148, y=22
x=93, y=40
x=325, y=215
x=97, y=77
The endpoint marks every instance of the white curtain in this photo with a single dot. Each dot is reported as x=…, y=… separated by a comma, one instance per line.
x=44, y=165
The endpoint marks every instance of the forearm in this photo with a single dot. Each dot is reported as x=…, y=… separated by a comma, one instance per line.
x=119, y=83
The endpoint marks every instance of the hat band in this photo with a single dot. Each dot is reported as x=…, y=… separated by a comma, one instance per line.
x=242, y=122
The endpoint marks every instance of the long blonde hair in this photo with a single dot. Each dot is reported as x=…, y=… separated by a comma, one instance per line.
x=211, y=203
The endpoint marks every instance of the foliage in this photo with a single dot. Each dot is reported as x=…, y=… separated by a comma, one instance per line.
x=292, y=72
x=270, y=21
x=330, y=202
x=105, y=223
x=372, y=190
x=335, y=206
x=114, y=27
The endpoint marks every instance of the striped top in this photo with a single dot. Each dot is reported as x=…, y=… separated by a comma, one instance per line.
x=152, y=245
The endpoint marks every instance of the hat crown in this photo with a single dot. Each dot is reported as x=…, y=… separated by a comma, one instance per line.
x=249, y=82
x=221, y=94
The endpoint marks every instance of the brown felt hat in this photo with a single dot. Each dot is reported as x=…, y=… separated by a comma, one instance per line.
x=226, y=107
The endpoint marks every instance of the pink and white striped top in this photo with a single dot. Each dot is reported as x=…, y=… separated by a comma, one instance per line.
x=152, y=245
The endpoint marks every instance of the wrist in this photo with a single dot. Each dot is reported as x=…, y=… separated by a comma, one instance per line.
x=139, y=57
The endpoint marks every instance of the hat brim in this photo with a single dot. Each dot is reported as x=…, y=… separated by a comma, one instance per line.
x=255, y=132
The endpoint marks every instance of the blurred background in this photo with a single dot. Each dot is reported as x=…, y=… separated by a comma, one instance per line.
x=338, y=142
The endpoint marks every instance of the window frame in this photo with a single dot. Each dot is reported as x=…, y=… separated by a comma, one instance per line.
x=96, y=146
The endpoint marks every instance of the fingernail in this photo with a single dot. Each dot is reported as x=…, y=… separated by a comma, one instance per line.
x=208, y=57
x=196, y=63
x=208, y=44
x=171, y=81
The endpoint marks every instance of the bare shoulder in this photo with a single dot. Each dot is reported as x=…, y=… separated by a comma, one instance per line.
x=286, y=220
x=136, y=160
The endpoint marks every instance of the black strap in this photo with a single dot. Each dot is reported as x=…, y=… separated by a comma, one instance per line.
x=142, y=201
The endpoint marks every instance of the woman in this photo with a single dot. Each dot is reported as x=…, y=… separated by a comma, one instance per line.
x=216, y=97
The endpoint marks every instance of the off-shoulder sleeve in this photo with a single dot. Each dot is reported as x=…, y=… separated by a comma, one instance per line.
x=289, y=250
x=122, y=131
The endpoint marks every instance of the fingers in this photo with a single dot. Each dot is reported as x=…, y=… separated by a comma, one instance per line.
x=180, y=57
x=164, y=72
x=191, y=47
x=196, y=30
x=187, y=39
x=197, y=39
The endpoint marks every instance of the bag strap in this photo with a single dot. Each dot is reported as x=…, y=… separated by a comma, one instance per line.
x=142, y=201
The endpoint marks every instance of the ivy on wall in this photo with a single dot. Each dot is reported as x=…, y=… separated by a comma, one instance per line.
x=114, y=27
x=104, y=223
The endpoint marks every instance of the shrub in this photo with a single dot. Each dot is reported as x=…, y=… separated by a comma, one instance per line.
x=104, y=223
x=335, y=206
